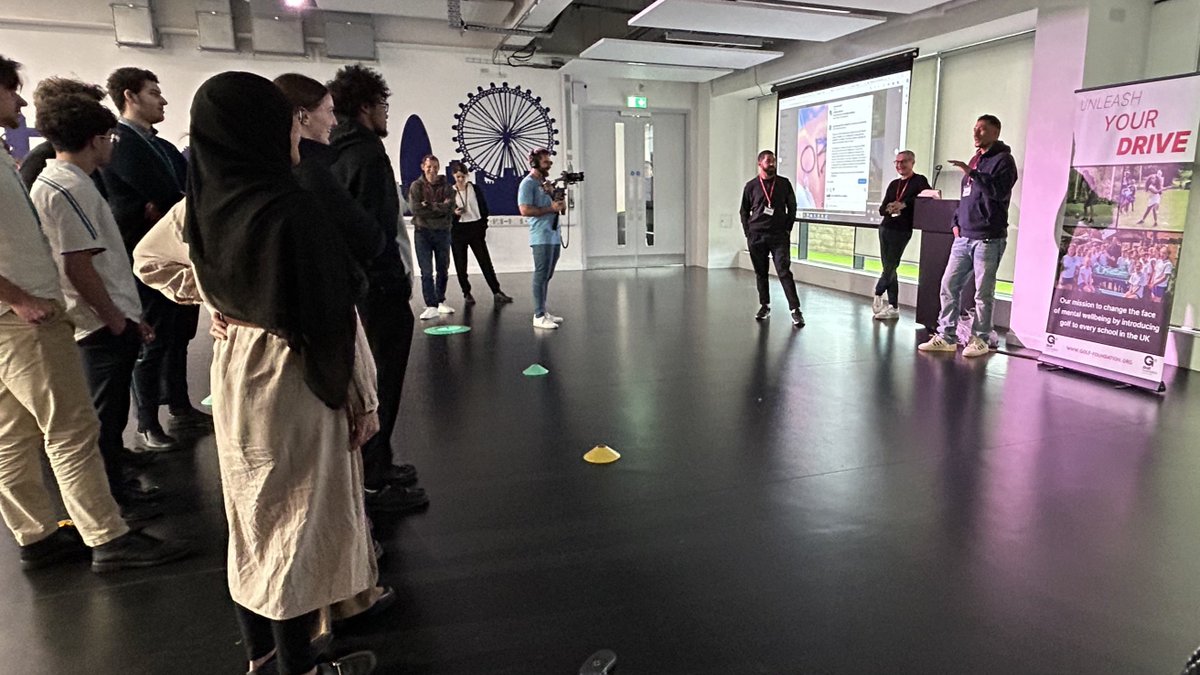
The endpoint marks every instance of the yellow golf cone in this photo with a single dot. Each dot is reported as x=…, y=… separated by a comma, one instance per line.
x=602, y=454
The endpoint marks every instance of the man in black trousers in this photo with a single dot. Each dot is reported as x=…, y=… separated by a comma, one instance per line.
x=768, y=213
x=363, y=166
x=145, y=179
x=895, y=231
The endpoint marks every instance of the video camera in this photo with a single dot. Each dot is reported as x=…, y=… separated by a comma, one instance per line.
x=559, y=185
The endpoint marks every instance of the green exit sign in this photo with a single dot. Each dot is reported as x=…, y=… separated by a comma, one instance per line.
x=635, y=101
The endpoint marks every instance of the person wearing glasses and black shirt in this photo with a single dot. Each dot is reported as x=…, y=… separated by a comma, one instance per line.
x=768, y=213
x=895, y=231
x=362, y=165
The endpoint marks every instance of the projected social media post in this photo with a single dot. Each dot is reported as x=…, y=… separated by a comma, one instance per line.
x=837, y=145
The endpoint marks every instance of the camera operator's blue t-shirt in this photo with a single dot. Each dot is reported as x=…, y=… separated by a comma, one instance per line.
x=541, y=228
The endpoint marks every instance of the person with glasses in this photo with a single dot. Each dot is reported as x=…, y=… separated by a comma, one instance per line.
x=44, y=408
x=97, y=280
x=364, y=168
x=145, y=178
x=895, y=231
x=470, y=233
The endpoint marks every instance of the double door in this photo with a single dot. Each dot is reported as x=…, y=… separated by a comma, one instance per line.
x=633, y=197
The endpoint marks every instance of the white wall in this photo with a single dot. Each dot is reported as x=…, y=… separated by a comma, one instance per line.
x=426, y=81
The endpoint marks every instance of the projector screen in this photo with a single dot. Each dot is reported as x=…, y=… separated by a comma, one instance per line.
x=837, y=138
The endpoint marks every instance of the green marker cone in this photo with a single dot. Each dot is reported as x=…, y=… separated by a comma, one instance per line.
x=447, y=330
x=536, y=370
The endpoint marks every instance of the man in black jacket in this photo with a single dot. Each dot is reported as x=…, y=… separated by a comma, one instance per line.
x=363, y=166
x=145, y=179
x=768, y=213
x=980, y=237
x=895, y=230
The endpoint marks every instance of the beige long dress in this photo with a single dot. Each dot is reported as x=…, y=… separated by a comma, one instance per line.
x=298, y=537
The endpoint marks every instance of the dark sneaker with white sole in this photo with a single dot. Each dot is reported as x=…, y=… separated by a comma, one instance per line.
x=763, y=312
x=156, y=440
x=797, y=318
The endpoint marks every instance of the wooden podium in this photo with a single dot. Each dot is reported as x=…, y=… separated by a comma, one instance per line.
x=933, y=217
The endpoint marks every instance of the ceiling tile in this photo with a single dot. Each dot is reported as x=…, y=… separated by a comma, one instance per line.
x=641, y=71
x=752, y=18
x=612, y=49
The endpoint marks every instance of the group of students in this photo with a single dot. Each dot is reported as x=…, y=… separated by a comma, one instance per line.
x=980, y=226
x=1131, y=267
x=285, y=222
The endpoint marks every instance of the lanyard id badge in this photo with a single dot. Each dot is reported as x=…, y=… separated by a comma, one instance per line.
x=769, y=209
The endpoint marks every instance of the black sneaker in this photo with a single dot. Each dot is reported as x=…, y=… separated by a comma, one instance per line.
x=763, y=312
x=63, y=545
x=797, y=318
x=358, y=663
x=156, y=440
x=502, y=298
x=389, y=499
x=468, y=299
x=136, y=549
x=189, y=419
x=402, y=475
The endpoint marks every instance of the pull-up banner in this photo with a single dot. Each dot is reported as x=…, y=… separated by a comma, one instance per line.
x=1127, y=200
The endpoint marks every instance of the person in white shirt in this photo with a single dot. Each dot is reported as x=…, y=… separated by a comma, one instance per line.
x=95, y=272
x=469, y=231
x=44, y=403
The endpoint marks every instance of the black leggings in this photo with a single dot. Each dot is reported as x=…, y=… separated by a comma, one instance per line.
x=291, y=639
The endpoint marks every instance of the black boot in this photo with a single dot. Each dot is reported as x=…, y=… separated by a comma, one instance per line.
x=136, y=549
x=63, y=545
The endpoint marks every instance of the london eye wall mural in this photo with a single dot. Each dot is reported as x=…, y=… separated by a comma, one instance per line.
x=494, y=131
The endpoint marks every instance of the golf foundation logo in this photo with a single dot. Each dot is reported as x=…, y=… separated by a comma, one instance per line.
x=1050, y=340
x=1149, y=361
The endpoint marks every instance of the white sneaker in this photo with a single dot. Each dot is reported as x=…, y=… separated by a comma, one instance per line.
x=429, y=313
x=937, y=343
x=888, y=313
x=445, y=309
x=555, y=319
x=976, y=347
x=544, y=321
x=878, y=305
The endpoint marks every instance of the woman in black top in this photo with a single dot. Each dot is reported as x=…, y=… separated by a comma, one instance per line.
x=470, y=231
x=894, y=233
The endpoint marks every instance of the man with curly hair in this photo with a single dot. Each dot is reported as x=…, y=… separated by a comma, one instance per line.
x=35, y=160
x=43, y=396
x=363, y=166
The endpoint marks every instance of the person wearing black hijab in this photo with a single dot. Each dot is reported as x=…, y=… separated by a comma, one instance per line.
x=293, y=383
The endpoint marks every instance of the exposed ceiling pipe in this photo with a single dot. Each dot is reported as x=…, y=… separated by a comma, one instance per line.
x=454, y=15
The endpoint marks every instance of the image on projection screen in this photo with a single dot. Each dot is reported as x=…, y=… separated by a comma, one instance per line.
x=837, y=144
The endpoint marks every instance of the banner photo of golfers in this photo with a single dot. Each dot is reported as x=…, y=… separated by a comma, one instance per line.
x=1122, y=229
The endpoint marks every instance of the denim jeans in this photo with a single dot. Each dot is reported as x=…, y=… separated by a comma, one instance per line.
x=980, y=257
x=545, y=257
x=433, y=248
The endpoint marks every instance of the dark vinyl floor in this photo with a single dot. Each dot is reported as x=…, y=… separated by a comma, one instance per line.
x=821, y=501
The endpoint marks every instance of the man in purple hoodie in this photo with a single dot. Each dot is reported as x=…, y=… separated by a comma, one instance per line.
x=980, y=237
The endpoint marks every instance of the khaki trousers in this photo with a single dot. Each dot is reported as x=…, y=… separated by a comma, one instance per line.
x=45, y=405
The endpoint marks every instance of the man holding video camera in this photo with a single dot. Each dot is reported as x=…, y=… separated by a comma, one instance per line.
x=537, y=202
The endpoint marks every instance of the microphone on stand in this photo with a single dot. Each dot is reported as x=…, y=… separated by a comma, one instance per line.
x=937, y=170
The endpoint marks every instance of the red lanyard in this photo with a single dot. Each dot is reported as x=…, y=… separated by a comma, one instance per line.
x=973, y=164
x=903, y=189
x=766, y=194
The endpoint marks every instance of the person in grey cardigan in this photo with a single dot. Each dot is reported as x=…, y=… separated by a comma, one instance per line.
x=431, y=200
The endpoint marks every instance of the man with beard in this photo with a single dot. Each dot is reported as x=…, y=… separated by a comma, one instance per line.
x=768, y=213
x=363, y=166
x=145, y=179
